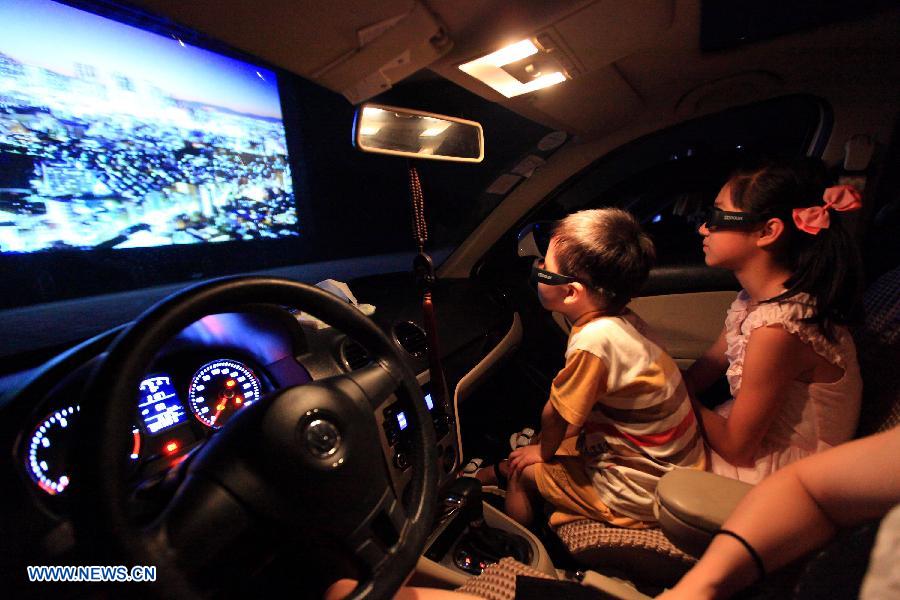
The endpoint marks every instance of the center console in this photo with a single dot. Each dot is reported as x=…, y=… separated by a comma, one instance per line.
x=397, y=431
x=469, y=534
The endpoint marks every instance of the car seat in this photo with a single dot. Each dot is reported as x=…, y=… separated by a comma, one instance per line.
x=693, y=504
x=689, y=518
x=878, y=349
x=499, y=582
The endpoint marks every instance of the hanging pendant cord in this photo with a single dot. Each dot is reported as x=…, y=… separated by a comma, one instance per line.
x=420, y=227
x=424, y=272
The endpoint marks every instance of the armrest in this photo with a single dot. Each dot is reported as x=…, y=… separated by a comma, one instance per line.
x=612, y=587
x=692, y=505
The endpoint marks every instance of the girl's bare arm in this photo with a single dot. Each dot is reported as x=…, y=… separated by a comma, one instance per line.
x=708, y=368
x=773, y=359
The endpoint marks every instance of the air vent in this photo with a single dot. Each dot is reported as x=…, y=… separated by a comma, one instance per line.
x=354, y=355
x=411, y=338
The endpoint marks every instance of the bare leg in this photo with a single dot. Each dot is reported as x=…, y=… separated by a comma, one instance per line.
x=520, y=496
x=487, y=476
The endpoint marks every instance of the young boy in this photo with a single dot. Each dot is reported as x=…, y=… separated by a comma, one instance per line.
x=621, y=391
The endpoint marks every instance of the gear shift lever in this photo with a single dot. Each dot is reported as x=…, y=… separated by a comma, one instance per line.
x=460, y=507
x=465, y=494
x=461, y=522
x=482, y=544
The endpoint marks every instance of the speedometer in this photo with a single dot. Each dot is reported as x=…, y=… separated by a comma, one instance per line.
x=221, y=388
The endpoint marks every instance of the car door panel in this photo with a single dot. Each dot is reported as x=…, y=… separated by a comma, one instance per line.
x=685, y=308
x=686, y=323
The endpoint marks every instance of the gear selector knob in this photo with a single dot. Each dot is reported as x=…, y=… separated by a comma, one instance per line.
x=464, y=495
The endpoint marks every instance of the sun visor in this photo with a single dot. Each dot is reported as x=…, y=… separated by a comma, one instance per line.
x=389, y=51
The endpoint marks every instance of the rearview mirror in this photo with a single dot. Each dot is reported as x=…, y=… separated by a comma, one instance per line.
x=402, y=132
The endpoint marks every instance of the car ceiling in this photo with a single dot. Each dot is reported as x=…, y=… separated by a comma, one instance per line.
x=627, y=59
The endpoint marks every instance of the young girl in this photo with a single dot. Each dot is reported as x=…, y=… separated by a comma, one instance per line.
x=785, y=349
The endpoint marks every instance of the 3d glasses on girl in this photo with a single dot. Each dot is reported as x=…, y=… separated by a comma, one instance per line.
x=717, y=219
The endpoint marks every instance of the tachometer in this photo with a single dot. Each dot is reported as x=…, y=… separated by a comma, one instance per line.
x=221, y=388
x=47, y=461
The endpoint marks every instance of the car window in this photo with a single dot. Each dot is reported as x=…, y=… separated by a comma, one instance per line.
x=666, y=179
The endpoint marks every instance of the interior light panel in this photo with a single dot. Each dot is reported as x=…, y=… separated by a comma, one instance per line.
x=489, y=70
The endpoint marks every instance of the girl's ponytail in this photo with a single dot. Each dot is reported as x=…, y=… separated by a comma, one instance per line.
x=828, y=269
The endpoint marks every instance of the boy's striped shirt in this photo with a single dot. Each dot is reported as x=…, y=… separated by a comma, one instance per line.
x=636, y=416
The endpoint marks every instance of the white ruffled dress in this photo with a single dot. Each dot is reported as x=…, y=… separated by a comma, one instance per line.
x=813, y=416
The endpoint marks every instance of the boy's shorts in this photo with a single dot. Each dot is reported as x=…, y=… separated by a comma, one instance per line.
x=564, y=483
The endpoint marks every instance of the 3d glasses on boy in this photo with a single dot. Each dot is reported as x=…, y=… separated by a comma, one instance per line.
x=534, y=238
x=540, y=275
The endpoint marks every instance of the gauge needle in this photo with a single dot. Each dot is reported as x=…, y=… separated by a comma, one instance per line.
x=219, y=410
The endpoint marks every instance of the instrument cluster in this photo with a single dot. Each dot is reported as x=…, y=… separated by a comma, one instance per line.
x=174, y=411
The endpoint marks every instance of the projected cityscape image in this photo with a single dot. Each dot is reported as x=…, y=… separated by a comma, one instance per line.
x=113, y=137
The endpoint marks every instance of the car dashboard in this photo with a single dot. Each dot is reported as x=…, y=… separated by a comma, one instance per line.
x=197, y=382
x=210, y=371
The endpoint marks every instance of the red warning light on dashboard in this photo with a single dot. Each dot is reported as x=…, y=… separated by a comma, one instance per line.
x=171, y=447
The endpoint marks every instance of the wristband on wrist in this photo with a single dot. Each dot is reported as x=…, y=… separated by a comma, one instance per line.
x=757, y=559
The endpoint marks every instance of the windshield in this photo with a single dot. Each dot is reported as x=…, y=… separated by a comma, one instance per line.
x=176, y=159
x=458, y=197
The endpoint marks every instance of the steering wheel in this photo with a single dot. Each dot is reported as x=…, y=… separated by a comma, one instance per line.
x=305, y=458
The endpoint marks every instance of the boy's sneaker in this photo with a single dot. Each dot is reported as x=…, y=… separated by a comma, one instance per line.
x=521, y=438
x=472, y=467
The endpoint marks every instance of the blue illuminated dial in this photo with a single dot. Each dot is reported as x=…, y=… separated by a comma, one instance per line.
x=221, y=388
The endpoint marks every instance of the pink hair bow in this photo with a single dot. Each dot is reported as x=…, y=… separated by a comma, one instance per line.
x=815, y=218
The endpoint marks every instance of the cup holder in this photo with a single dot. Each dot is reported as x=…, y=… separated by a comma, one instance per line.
x=483, y=545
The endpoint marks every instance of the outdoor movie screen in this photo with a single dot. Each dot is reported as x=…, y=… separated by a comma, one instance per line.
x=115, y=137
